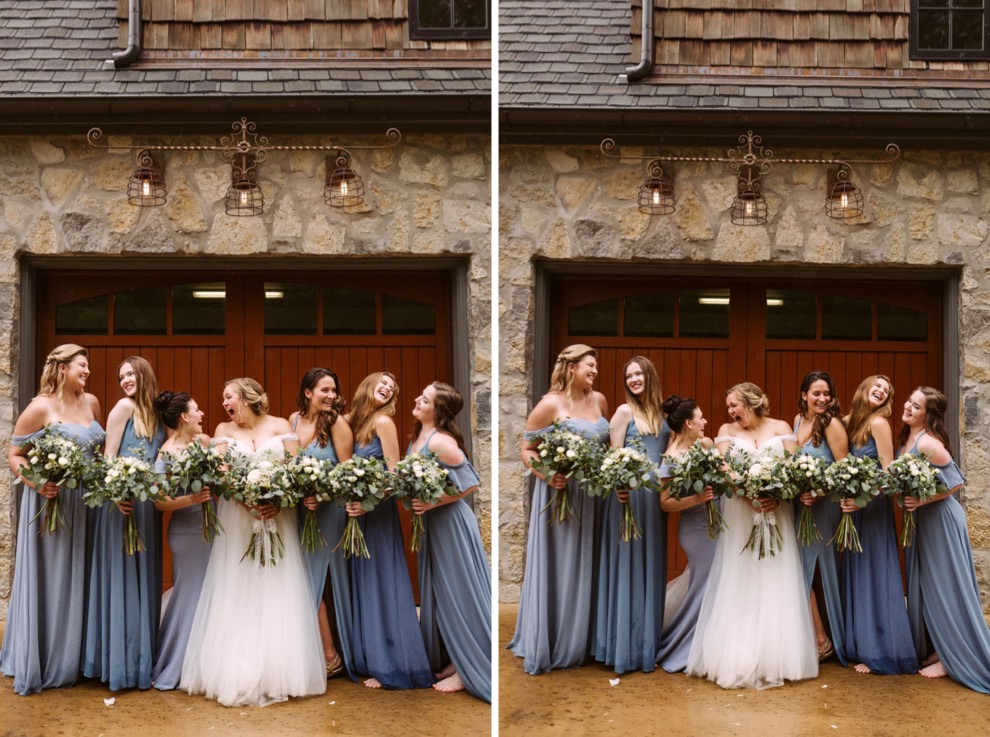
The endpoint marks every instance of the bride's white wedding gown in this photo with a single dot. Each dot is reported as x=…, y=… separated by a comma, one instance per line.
x=755, y=629
x=255, y=637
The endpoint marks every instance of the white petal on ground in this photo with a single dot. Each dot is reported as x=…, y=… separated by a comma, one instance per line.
x=613, y=681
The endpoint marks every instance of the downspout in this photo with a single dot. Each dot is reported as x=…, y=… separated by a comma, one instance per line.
x=130, y=54
x=647, y=51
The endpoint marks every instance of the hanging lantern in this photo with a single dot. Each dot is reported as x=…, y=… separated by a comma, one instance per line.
x=656, y=196
x=344, y=187
x=244, y=196
x=146, y=187
x=844, y=200
x=750, y=206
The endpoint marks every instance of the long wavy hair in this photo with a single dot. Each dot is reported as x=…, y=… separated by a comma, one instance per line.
x=52, y=379
x=324, y=420
x=145, y=418
x=832, y=410
x=561, y=378
x=366, y=411
x=647, y=407
x=935, y=406
x=861, y=414
x=447, y=402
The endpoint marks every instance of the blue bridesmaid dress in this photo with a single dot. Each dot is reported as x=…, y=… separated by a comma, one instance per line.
x=455, y=593
x=387, y=643
x=943, y=596
x=124, y=592
x=822, y=554
x=632, y=576
x=554, y=625
x=331, y=519
x=877, y=629
x=43, y=637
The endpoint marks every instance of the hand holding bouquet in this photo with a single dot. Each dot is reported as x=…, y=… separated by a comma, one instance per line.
x=805, y=474
x=626, y=468
x=914, y=476
x=195, y=468
x=360, y=479
x=53, y=457
x=855, y=478
x=420, y=477
x=265, y=483
x=692, y=473
x=564, y=452
x=759, y=482
x=308, y=477
x=127, y=479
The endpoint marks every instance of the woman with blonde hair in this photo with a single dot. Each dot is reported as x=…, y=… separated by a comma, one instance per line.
x=553, y=627
x=43, y=637
x=386, y=643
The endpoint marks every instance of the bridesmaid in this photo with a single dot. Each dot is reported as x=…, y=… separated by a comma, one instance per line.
x=878, y=634
x=324, y=434
x=386, y=642
x=454, y=579
x=190, y=553
x=632, y=575
x=42, y=645
x=553, y=628
x=124, y=591
x=687, y=427
x=943, y=597
x=817, y=435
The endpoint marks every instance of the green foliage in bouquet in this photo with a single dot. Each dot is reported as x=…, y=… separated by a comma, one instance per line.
x=53, y=457
x=856, y=478
x=127, y=479
x=912, y=475
x=363, y=480
x=421, y=477
x=805, y=473
x=574, y=456
x=309, y=476
x=193, y=469
x=693, y=472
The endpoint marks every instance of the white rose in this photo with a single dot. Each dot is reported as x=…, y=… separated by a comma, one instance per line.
x=359, y=472
x=63, y=461
x=254, y=476
x=755, y=470
x=52, y=456
x=571, y=454
x=853, y=471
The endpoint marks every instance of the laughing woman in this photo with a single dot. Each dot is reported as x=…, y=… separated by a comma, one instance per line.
x=632, y=575
x=124, y=599
x=43, y=638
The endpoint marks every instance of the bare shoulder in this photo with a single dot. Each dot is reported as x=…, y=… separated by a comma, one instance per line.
x=203, y=439
x=880, y=426
x=35, y=416
x=280, y=425
x=294, y=417
x=94, y=404
x=223, y=430
x=384, y=421
x=623, y=414
x=602, y=403
x=544, y=413
x=933, y=449
x=797, y=419
x=727, y=430
x=782, y=428
x=706, y=443
x=123, y=410
x=446, y=447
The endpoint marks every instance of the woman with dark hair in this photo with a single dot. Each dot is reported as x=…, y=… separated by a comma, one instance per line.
x=951, y=634
x=190, y=553
x=553, y=627
x=878, y=634
x=324, y=434
x=820, y=433
x=687, y=428
x=454, y=580
x=386, y=642
x=43, y=636
x=124, y=591
x=632, y=575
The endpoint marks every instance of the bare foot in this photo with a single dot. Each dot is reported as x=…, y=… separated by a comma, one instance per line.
x=446, y=672
x=862, y=668
x=933, y=658
x=450, y=684
x=935, y=670
x=373, y=683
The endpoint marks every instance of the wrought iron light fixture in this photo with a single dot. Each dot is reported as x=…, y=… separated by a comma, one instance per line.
x=244, y=149
x=750, y=161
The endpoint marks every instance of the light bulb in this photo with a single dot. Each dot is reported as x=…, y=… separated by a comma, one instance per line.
x=245, y=199
x=844, y=201
x=656, y=196
x=749, y=208
x=146, y=188
x=343, y=187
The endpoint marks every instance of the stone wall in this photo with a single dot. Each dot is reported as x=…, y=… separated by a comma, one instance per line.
x=929, y=208
x=428, y=197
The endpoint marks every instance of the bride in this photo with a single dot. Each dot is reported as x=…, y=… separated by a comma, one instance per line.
x=254, y=638
x=754, y=630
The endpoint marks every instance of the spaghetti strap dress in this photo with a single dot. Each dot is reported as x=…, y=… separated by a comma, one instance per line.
x=632, y=576
x=554, y=624
x=455, y=587
x=943, y=595
x=43, y=639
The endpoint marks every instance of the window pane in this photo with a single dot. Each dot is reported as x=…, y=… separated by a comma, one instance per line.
x=967, y=30
x=844, y=318
x=650, y=315
x=141, y=312
x=348, y=312
x=83, y=317
x=290, y=309
x=933, y=29
x=705, y=314
x=199, y=309
x=471, y=14
x=407, y=316
x=791, y=315
x=598, y=318
x=435, y=13
x=900, y=323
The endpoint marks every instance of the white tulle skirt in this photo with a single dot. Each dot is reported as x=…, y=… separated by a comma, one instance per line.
x=254, y=638
x=755, y=628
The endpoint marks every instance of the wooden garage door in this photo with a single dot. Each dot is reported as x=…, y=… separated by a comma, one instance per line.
x=704, y=335
x=199, y=329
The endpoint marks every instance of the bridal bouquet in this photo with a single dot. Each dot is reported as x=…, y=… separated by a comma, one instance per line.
x=360, y=479
x=626, y=468
x=855, y=478
x=763, y=480
x=805, y=473
x=53, y=457
x=701, y=467
x=127, y=479
x=912, y=475
x=195, y=468
x=264, y=482
x=308, y=477
x=567, y=453
x=421, y=477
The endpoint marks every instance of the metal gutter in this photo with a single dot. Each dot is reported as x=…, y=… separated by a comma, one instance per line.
x=124, y=58
x=647, y=51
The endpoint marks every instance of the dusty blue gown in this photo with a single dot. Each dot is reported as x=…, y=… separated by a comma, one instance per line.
x=387, y=642
x=554, y=625
x=822, y=554
x=43, y=637
x=124, y=592
x=324, y=561
x=455, y=588
x=943, y=596
x=877, y=629
x=632, y=576
x=190, y=557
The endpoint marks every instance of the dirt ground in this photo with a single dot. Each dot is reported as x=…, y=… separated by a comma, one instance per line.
x=839, y=702
x=346, y=709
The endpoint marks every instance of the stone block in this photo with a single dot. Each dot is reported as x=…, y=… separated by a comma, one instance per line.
x=420, y=166
x=59, y=182
x=692, y=218
x=465, y=216
x=574, y=190
x=45, y=152
x=963, y=181
x=183, y=208
x=957, y=230
x=112, y=175
x=914, y=180
x=561, y=162
x=237, y=236
x=740, y=243
x=468, y=166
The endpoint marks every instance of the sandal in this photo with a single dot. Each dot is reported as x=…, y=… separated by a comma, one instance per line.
x=335, y=667
x=826, y=650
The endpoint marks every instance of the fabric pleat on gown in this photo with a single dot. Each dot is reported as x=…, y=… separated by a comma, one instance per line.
x=43, y=642
x=554, y=623
x=632, y=575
